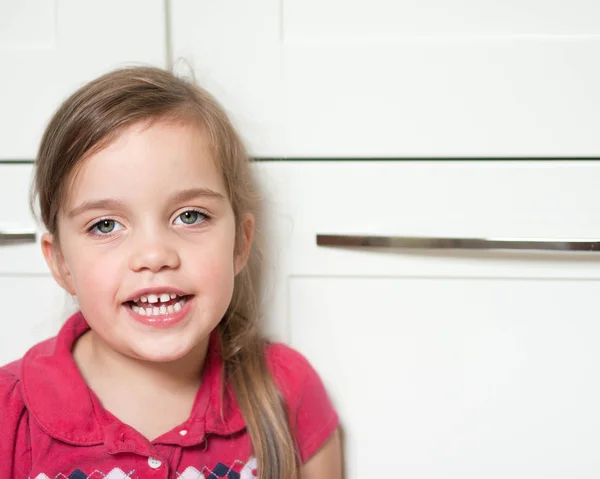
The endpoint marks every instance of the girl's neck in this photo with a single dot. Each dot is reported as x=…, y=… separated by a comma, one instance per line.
x=151, y=397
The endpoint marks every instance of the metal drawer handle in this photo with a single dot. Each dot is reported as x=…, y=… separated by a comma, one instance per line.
x=427, y=242
x=17, y=237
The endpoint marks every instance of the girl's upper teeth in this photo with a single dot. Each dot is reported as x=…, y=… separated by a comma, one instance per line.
x=155, y=298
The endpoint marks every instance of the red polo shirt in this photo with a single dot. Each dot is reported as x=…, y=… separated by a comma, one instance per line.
x=53, y=426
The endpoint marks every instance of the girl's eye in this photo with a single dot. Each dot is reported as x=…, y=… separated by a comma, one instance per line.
x=191, y=217
x=105, y=227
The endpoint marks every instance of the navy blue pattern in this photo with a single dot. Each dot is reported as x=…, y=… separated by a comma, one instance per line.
x=222, y=471
x=116, y=473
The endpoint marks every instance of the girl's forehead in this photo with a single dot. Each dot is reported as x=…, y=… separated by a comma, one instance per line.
x=148, y=161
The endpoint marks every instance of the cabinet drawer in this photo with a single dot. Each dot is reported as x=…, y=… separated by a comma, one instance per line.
x=400, y=79
x=487, y=199
x=22, y=257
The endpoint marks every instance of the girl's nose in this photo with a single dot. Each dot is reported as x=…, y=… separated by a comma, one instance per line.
x=154, y=254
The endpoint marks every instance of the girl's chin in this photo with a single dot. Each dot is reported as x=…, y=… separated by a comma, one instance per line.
x=180, y=347
x=162, y=355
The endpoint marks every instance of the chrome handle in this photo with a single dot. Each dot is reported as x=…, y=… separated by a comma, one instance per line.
x=17, y=237
x=427, y=242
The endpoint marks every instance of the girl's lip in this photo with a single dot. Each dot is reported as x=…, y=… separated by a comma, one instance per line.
x=162, y=320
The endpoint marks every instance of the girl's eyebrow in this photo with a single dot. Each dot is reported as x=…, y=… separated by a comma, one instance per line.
x=114, y=204
x=103, y=204
x=191, y=193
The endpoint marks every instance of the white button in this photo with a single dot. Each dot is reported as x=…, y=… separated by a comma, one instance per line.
x=183, y=432
x=154, y=463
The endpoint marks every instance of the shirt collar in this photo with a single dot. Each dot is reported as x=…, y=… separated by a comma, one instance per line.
x=52, y=385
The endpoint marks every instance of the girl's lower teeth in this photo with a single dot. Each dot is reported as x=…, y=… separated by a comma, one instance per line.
x=159, y=310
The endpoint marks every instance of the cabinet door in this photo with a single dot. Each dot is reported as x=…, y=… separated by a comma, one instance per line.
x=390, y=78
x=48, y=48
x=459, y=364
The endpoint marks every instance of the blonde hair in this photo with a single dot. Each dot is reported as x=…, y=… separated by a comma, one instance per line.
x=93, y=117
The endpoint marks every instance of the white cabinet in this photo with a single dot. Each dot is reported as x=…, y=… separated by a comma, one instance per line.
x=50, y=48
x=445, y=363
x=400, y=78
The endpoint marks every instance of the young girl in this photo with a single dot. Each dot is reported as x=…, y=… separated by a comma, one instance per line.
x=147, y=195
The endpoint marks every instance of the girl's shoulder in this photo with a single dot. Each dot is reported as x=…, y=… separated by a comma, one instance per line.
x=282, y=357
x=10, y=385
x=311, y=413
x=12, y=404
x=292, y=372
x=14, y=434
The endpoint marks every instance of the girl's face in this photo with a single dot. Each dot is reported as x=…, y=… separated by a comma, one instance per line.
x=146, y=242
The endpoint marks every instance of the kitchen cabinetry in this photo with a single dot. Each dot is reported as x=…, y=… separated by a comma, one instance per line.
x=452, y=363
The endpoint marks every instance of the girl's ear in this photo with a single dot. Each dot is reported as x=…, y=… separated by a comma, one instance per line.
x=247, y=235
x=57, y=264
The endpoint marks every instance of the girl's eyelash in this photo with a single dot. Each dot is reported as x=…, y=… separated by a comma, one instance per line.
x=202, y=212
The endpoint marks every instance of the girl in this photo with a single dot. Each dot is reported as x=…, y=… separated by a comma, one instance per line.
x=147, y=195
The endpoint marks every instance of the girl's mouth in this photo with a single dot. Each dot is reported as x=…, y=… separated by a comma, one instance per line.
x=162, y=304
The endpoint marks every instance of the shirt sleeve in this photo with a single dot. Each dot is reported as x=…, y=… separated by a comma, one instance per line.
x=15, y=450
x=312, y=416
